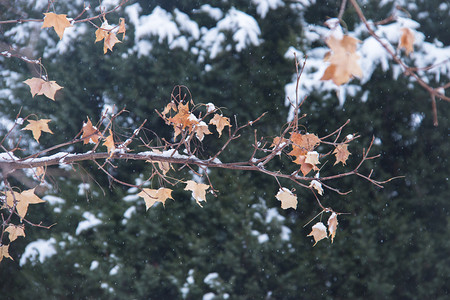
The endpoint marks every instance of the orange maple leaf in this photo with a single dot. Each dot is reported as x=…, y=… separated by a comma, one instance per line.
x=319, y=232
x=109, y=143
x=287, y=198
x=58, y=22
x=37, y=127
x=183, y=119
x=23, y=200
x=341, y=152
x=198, y=190
x=90, y=133
x=151, y=196
x=220, y=122
x=343, y=60
x=304, y=166
x=407, y=40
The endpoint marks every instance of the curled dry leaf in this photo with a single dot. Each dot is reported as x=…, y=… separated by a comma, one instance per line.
x=319, y=232
x=287, y=198
x=109, y=143
x=164, y=166
x=332, y=225
x=317, y=185
x=90, y=133
x=407, y=40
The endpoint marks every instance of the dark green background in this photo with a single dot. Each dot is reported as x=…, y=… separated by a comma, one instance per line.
x=393, y=245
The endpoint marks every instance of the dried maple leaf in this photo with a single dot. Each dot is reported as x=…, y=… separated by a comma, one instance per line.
x=151, y=196
x=303, y=143
x=109, y=143
x=15, y=231
x=39, y=86
x=200, y=130
x=163, y=165
x=304, y=166
x=169, y=107
x=312, y=157
x=37, y=127
x=35, y=85
x=183, y=119
x=316, y=185
x=287, y=198
x=4, y=252
x=90, y=133
x=343, y=60
x=109, y=42
x=319, y=232
x=49, y=88
x=341, y=152
x=198, y=190
x=23, y=200
x=109, y=38
x=122, y=28
x=407, y=40
x=278, y=141
x=332, y=225
x=58, y=22
x=220, y=122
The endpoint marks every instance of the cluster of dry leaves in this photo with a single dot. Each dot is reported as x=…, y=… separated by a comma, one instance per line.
x=189, y=121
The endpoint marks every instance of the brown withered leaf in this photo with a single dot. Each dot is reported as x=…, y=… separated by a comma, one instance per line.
x=23, y=200
x=15, y=231
x=332, y=225
x=4, y=252
x=151, y=196
x=164, y=166
x=341, y=152
x=200, y=130
x=343, y=60
x=122, y=28
x=304, y=166
x=198, y=190
x=58, y=22
x=319, y=232
x=220, y=122
x=407, y=40
x=109, y=143
x=37, y=127
x=90, y=133
x=287, y=198
x=39, y=86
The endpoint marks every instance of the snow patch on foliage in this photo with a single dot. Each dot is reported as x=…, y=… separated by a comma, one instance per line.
x=90, y=222
x=263, y=6
x=38, y=250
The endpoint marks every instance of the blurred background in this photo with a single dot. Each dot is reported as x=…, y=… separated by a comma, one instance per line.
x=241, y=245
